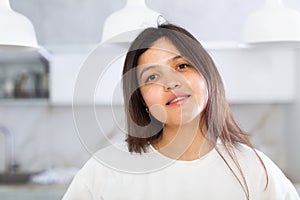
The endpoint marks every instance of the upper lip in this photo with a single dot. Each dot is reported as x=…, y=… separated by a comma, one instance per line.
x=176, y=95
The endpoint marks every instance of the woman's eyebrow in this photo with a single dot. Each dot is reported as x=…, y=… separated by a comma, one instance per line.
x=153, y=66
x=146, y=69
x=176, y=57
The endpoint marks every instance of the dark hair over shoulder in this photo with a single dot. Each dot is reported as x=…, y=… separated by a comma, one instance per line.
x=217, y=119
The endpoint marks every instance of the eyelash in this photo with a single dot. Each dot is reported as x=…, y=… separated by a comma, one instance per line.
x=185, y=64
x=148, y=78
x=178, y=67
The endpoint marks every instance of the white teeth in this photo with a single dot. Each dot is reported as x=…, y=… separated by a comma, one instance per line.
x=177, y=99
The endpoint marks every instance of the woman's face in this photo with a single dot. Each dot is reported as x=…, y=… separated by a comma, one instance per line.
x=173, y=90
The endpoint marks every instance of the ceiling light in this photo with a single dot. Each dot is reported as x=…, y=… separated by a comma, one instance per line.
x=17, y=32
x=124, y=25
x=272, y=23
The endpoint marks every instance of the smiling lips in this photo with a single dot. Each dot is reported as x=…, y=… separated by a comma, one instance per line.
x=177, y=99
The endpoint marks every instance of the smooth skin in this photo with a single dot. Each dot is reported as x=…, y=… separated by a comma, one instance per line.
x=176, y=94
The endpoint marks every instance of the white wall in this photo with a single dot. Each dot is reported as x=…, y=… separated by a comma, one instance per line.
x=47, y=136
x=292, y=131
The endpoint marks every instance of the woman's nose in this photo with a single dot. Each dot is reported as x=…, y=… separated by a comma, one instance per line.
x=171, y=84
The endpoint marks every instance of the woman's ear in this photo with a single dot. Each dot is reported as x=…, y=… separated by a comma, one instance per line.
x=144, y=103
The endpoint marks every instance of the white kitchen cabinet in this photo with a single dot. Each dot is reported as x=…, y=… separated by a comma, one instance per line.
x=64, y=68
x=257, y=74
x=74, y=80
x=250, y=75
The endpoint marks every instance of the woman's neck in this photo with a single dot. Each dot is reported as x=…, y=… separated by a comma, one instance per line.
x=185, y=142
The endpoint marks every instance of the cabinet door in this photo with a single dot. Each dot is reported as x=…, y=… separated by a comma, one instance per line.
x=257, y=75
x=64, y=69
x=67, y=71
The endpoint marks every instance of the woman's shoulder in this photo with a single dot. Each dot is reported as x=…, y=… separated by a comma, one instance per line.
x=96, y=173
x=261, y=171
x=250, y=160
x=107, y=154
x=242, y=152
x=117, y=158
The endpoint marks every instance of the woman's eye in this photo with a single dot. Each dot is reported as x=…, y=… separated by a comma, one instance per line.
x=151, y=78
x=182, y=66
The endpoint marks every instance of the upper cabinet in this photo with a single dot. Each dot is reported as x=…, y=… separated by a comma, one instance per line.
x=250, y=75
x=65, y=67
x=263, y=74
x=78, y=75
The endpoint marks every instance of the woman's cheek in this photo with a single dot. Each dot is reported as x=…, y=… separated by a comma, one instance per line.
x=149, y=96
x=198, y=85
x=155, y=104
x=203, y=97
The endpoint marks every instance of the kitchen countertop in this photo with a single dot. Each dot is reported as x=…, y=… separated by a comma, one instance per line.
x=32, y=192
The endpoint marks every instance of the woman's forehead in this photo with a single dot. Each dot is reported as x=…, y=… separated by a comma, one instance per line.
x=164, y=44
x=162, y=50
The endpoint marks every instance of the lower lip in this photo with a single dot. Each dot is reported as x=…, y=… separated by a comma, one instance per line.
x=178, y=103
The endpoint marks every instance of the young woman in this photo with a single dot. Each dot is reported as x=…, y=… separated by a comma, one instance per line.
x=182, y=141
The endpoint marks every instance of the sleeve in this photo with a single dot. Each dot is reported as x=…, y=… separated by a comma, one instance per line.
x=89, y=182
x=279, y=186
x=78, y=189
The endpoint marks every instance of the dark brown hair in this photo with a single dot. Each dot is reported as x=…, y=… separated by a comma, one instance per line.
x=144, y=129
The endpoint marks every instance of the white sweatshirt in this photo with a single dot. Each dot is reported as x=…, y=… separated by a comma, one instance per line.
x=114, y=173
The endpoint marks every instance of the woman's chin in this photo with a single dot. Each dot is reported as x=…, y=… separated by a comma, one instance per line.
x=177, y=117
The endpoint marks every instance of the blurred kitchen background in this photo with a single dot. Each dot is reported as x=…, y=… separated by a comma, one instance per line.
x=42, y=131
